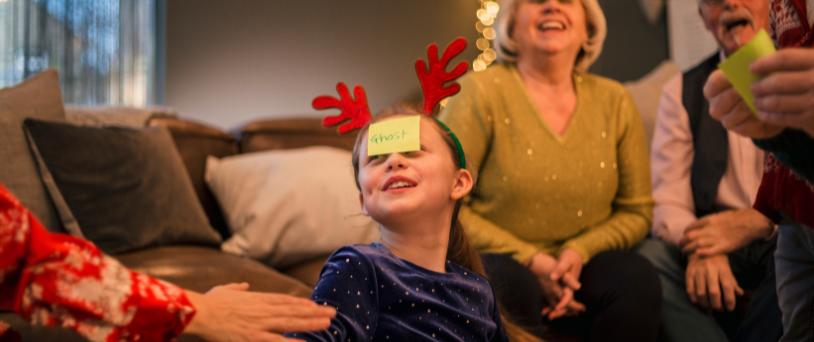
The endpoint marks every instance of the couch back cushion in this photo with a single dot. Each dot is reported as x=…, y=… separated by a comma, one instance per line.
x=123, y=116
x=127, y=188
x=38, y=97
x=646, y=93
x=281, y=134
x=195, y=142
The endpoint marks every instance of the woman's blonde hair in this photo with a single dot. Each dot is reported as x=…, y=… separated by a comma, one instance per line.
x=506, y=47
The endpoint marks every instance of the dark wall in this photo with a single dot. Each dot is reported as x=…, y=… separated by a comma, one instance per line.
x=634, y=46
x=231, y=61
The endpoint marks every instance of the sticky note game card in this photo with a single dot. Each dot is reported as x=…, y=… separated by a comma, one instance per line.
x=394, y=135
x=736, y=66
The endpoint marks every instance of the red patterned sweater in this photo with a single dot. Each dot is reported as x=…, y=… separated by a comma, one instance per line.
x=59, y=280
x=787, y=187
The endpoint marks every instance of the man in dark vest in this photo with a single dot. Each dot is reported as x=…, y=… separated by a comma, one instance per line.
x=704, y=183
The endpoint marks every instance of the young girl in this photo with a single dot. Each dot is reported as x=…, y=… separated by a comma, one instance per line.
x=417, y=283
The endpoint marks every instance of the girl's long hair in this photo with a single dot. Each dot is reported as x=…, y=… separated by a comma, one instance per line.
x=459, y=250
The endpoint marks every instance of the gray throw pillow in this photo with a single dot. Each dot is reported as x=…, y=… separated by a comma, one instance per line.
x=127, y=188
x=37, y=97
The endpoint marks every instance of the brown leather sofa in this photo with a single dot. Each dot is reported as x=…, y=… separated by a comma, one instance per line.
x=200, y=268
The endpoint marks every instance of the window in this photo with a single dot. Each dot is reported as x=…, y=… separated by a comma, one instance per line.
x=104, y=50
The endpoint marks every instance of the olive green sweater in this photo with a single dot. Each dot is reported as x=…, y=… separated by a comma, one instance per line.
x=588, y=189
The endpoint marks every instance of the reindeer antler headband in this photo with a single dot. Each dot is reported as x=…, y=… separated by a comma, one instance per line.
x=434, y=81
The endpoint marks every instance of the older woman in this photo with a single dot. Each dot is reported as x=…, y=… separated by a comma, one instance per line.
x=563, y=179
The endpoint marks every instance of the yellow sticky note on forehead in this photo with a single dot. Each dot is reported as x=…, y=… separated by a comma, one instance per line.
x=736, y=66
x=394, y=135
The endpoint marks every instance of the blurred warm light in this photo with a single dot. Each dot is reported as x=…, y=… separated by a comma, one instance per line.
x=492, y=8
x=489, y=33
x=486, y=14
x=478, y=65
x=489, y=55
x=482, y=44
x=481, y=14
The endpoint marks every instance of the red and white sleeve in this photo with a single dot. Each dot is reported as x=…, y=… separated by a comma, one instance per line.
x=59, y=280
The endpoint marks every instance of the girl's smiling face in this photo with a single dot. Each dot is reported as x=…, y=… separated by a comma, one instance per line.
x=399, y=185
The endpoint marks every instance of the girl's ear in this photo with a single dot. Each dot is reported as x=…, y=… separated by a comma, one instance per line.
x=462, y=185
x=362, y=204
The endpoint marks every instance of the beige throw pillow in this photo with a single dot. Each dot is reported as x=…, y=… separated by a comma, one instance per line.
x=38, y=97
x=285, y=207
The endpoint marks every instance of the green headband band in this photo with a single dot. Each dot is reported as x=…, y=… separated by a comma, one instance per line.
x=458, y=148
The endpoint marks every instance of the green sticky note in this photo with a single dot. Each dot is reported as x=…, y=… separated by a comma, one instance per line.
x=736, y=66
x=394, y=135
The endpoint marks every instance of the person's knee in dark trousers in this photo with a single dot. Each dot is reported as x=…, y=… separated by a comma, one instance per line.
x=517, y=290
x=623, y=295
x=754, y=268
x=620, y=289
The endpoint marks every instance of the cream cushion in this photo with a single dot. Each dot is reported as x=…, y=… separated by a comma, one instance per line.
x=288, y=206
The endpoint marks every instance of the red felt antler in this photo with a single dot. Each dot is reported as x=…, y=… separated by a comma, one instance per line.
x=356, y=110
x=435, y=76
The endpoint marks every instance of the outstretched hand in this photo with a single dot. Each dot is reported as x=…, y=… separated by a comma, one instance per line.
x=232, y=313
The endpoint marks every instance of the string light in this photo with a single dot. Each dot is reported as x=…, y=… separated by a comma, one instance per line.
x=486, y=14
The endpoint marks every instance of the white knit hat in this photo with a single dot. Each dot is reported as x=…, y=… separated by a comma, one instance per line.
x=506, y=47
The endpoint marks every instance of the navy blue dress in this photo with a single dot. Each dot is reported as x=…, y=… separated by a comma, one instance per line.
x=380, y=297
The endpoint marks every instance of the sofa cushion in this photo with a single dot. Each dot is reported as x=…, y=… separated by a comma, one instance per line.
x=279, y=134
x=38, y=97
x=289, y=206
x=195, y=142
x=22, y=330
x=646, y=93
x=308, y=271
x=127, y=188
x=200, y=268
x=121, y=116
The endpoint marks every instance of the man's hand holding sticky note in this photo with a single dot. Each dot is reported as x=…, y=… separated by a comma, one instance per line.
x=736, y=66
x=394, y=135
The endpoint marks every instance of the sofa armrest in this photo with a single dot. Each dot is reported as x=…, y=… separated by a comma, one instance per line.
x=307, y=272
